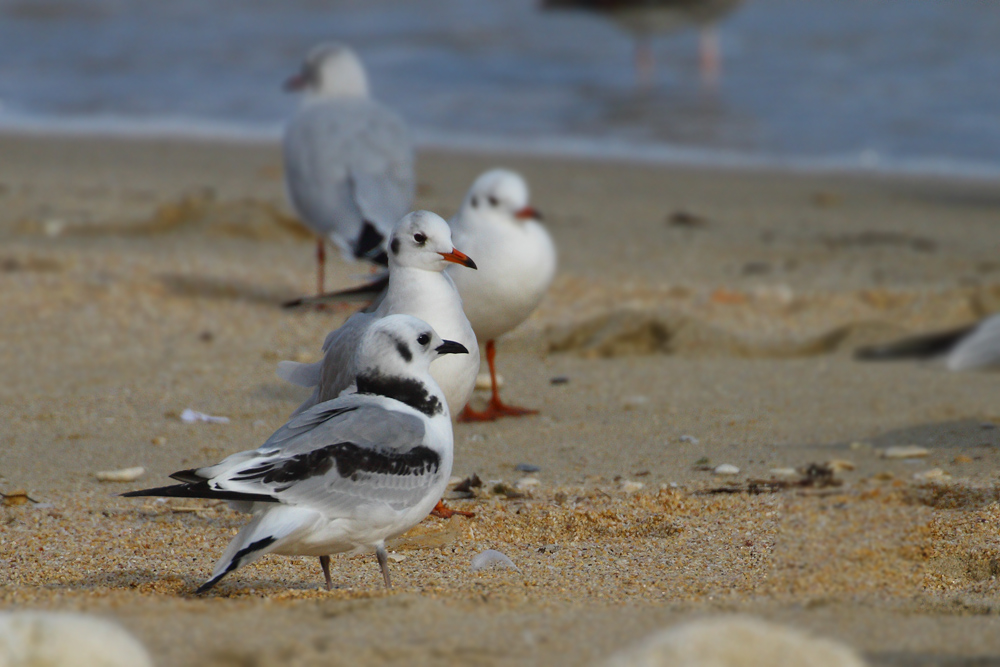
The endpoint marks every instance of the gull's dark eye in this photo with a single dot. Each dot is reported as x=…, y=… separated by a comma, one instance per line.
x=420, y=238
x=475, y=202
x=494, y=202
x=424, y=338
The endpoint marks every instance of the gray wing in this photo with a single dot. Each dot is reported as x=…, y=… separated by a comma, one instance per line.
x=980, y=349
x=348, y=162
x=335, y=457
x=335, y=372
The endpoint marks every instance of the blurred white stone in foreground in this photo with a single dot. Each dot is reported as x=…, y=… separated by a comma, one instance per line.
x=39, y=639
x=735, y=642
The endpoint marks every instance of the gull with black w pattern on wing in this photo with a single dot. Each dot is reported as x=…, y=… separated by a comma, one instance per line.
x=346, y=474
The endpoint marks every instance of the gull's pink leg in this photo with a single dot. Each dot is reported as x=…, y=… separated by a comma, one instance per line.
x=710, y=57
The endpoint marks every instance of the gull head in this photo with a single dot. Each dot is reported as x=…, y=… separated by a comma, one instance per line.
x=401, y=346
x=422, y=240
x=501, y=195
x=330, y=70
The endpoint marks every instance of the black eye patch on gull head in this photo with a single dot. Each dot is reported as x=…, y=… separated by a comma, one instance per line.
x=394, y=246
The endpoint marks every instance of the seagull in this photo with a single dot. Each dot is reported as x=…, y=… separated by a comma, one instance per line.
x=516, y=267
x=972, y=347
x=419, y=250
x=346, y=474
x=647, y=18
x=348, y=159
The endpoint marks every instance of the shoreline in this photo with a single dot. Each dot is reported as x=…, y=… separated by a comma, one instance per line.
x=594, y=150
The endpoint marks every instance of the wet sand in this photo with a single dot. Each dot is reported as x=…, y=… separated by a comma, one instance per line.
x=143, y=277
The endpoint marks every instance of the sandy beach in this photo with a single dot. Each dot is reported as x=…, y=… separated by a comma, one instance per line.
x=700, y=317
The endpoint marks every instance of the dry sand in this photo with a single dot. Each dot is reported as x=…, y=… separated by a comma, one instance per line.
x=142, y=277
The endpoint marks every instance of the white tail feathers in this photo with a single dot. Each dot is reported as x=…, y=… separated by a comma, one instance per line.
x=980, y=349
x=304, y=375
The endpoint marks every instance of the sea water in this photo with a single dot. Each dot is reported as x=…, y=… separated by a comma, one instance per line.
x=897, y=85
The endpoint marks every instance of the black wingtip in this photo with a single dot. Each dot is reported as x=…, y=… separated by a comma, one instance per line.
x=189, y=476
x=198, y=490
x=160, y=491
x=925, y=346
x=363, y=293
x=208, y=585
x=369, y=245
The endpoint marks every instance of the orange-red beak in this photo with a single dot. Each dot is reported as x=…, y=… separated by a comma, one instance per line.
x=458, y=257
x=528, y=213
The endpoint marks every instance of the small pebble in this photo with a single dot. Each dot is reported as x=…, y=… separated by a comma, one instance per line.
x=783, y=472
x=559, y=379
x=527, y=467
x=123, y=475
x=527, y=483
x=632, y=402
x=53, y=227
x=395, y=557
x=962, y=458
x=725, y=469
x=839, y=465
x=883, y=476
x=492, y=558
x=988, y=426
x=689, y=439
x=548, y=548
x=629, y=486
x=905, y=452
x=857, y=445
x=932, y=475
x=159, y=441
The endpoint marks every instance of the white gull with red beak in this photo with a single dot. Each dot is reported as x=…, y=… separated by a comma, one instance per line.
x=420, y=248
x=516, y=263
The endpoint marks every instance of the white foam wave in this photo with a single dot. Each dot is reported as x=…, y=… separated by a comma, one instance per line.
x=580, y=148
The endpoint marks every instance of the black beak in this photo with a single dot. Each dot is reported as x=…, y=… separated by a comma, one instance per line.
x=451, y=347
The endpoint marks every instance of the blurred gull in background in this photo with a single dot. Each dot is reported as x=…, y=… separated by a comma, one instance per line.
x=645, y=19
x=516, y=264
x=348, y=159
x=973, y=347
